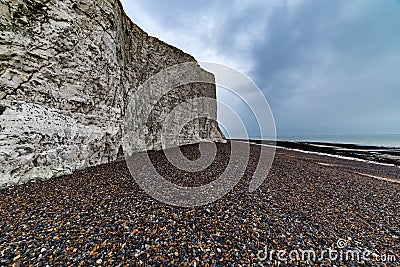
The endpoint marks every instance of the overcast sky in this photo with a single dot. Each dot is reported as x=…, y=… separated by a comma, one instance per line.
x=325, y=67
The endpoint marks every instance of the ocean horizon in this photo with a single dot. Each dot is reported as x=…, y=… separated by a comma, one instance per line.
x=383, y=140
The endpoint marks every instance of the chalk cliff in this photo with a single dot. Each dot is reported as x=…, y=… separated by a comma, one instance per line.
x=67, y=69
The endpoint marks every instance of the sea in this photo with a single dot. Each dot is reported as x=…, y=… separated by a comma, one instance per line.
x=383, y=140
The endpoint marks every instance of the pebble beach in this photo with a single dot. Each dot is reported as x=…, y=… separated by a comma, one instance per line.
x=308, y=202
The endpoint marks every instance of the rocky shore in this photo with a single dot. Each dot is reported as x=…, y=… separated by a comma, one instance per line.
x=387, y=155
x=308, y=202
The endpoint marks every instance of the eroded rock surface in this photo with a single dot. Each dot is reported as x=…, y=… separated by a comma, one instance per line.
x=67, y=70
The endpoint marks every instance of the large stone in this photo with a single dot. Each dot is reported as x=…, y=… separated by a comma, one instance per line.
x=67, y=70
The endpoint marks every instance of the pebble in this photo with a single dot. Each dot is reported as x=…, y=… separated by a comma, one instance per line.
x=99, y=216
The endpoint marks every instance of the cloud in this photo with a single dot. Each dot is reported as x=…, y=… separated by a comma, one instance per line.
x=326, y=67
x=330, y=64
x=212, y=31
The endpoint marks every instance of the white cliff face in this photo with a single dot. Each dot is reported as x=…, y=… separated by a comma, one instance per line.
x=67, y=70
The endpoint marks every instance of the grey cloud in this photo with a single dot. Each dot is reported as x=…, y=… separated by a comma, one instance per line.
x=325, y=70
x=324, y=66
